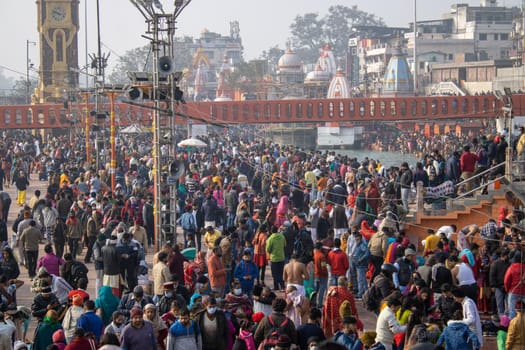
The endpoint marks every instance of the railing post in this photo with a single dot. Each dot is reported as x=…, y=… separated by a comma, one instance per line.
x=450, y=204
x=420, y=203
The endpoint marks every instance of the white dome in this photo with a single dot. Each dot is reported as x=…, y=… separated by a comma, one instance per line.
x=317, y=75
x=290, y=62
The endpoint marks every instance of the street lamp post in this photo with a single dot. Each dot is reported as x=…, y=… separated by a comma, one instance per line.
x=29, y=65
x=161, y=27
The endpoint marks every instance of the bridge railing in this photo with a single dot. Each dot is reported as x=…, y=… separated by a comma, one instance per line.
x=274, y=111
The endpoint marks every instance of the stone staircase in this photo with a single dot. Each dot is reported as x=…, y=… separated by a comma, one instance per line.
x=461, y=212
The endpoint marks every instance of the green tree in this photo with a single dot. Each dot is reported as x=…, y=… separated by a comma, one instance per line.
x=308, y=35
x=310, y=32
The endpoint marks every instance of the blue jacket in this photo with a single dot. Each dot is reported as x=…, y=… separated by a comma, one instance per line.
x=91, y=322
x=361, y=254
x=458, y=336
x=246, y=269
x=349, y=341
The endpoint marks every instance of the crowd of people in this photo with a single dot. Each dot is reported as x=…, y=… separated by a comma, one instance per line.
x=330, y=227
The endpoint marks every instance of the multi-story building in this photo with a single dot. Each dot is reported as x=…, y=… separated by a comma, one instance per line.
x=465, y=34
x=370, y=51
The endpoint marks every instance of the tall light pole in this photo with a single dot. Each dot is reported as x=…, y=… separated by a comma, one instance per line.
x=99, y=62
x=415, y=48
x=29, y=65
x=161, y=31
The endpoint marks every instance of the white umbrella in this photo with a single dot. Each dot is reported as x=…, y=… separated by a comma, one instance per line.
x=191, y=142
x=132, y=129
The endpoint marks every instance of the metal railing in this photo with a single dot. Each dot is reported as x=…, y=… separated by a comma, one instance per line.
x=479, y=175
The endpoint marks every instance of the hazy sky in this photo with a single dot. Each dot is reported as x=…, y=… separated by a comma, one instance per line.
x=262, y=23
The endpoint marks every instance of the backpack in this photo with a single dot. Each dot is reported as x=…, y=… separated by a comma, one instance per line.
x=303, y=246
x=371, y=298
x=78, y=271
x=273, y=338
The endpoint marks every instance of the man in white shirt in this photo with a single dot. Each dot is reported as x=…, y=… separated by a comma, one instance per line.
x=387, y=324
x=59, y=286
x=470, y=313
x=447, y=231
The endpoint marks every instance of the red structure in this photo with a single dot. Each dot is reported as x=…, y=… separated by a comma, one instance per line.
x=417, y=109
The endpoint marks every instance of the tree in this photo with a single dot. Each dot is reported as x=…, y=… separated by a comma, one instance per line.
x=140, y=60
x=183, y=53
x=339, y=23
x=310, y=33
x=134, y=60
x=5, y=82
x=272, y=55
x=243, y=76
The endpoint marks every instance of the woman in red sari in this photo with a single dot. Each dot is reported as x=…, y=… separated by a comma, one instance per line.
x=259, y=246
x=335, y=297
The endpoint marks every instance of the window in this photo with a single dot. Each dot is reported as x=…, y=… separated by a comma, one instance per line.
x=351, y=108
x=504, y=36
x=224, y=109
x=482, y=36
x=450, y=56
x=362, y=109
x=245, y=111
x=29, y=116
x=7, y=116
x=18, y=117
x=309, y=110
x=393, y=110
x=235, y=55
x=403, y=108
x=299, y=110
x=267, y=111
x=454, y=105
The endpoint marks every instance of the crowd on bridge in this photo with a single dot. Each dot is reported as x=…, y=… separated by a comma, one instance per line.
x=330, y=227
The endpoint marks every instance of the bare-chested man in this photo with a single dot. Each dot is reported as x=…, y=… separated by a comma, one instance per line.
x=295, y=273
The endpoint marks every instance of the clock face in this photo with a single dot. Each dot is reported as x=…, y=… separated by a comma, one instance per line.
x=58, y=13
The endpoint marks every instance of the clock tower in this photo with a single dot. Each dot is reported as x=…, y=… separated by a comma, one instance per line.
x=58, y=23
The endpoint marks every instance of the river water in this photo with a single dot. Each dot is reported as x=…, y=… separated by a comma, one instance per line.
x=388, y=159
